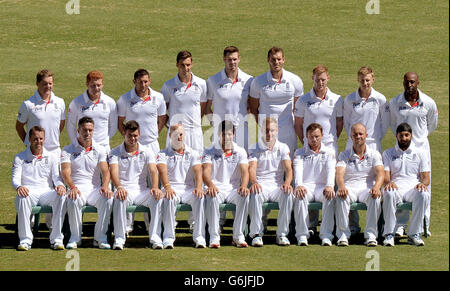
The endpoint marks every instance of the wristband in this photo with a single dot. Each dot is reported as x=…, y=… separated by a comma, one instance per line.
x=118, y=187
x=165, y=185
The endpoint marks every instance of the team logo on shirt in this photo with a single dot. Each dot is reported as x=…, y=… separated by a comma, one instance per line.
x=84, y=108
x=75, y=155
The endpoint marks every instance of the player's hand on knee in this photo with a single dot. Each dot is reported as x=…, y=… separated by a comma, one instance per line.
x=157, y=193
x=243, y=191
x=73, y=193
x=342, y=192
x=60, y=190
x=212, y=191
x=328, y=192
x=198, y=192
x=391, y=186
x=170, y=193
x=121, y=193
x=255, y=188
x=287, y=188
x=300, y=192
x=421, y=187
x=375, y=193
x=22, y=191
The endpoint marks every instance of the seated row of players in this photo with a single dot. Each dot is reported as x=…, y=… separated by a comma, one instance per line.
x=226, y=172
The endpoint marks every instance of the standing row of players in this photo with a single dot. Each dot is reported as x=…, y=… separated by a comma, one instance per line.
x=224, y=173
x=231, y=93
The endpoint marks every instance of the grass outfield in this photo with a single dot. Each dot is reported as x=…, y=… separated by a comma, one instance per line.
x=118, y=37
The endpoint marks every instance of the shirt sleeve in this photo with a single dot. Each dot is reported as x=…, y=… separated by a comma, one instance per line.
x=207, y=157
x=297, y=165
x=255, y=91
x=285, y=153
x=121, y=106
x=347, y=111
x=243, y=159
x=22, y=116
x=340, y=107
x=63, y=109
x=151, y=159
x=72, y=117
x=161, y=158
x=113, y=157
x=386, y=161
x=392, y=116
x=331, y=170
x=424, y=165
x=166, y=93
x=210, y=89
x=16, y=177
x=298, y=85
x=56, y=177
x=384, y=116
x=65, y=157
x=196, y=158
x=102, y=155
x=112, y=127
x=300, y=108
x=432, y=118
x=203, y=96
x=341, y=160
x=162, y=106
x=377, y=159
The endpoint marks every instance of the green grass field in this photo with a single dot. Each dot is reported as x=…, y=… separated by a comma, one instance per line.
x=118, y=37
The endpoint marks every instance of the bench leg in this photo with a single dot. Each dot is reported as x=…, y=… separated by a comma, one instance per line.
x=37, y=221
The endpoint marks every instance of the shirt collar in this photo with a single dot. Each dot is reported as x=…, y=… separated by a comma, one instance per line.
x=123, y=151
x=39, y=99
x=30, y=156
x=224, y=77
x=271, y=79
x=308, y=150
x=80, y=148
x=314, y=96
x=371, y=96
x=408, y=150
x=354, y=155
x=88, y=100
x=263, y=146
x=135, y=96
x=419, y=100
x=219, y=150
x=180, y=84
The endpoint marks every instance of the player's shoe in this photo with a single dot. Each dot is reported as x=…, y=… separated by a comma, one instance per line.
x=283, y=241
x=389, y=241
x=168, y=246
x=303, y=241
x=157, y=246
x=73, y=245
x=118, y=246
x=326, y=242
x=400, y=232
x=23, y=247
x=342, y=241
x=214, y=245
x=371, y=242
x=240, y=244
x=257, y=241
x=102, y=245
x=416, y=240
x=200, y=245
x=57, y=246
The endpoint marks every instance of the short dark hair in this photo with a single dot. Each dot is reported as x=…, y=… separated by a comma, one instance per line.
x=313, y=126
x=274, y=50
x=229, y=50
x=226, y=125
x=140, y=73
x=403, y=127
x=183, y=55
x=43, y=74
x=85, y=119
x=131, y=125
x=35, y=128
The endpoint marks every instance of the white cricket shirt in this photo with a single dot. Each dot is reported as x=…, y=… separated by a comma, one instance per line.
x=314, y=168
x=277, y=98
x=35, y=111
x=184, y=101
x=133, y=167
x=321, y=111
x=359, y=172
x=225, y=168
x=84, y=164
x=423, y=117
x=369, y=112
x=405, y=166
x=40, y=172
x=145, y=112
x=229, y=97
x=103, y=112
x=180, y=166
x=269, y=168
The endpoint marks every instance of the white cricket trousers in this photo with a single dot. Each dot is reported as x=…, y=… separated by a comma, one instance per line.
x=169, y=208
x=213, y=214
x=89, y=196
x=420, y=201
x=301, y=213
x=372, y=215
x=272, y=193
x=137, y=196
x=41, y=197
